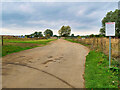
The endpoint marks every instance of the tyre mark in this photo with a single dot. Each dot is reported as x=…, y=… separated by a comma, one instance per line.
x=43, y=72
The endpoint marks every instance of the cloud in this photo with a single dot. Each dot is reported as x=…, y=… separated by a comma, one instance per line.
x=27, y=17
x=59, y=1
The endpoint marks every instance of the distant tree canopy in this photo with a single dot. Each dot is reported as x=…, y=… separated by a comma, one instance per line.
x=48, y=32
x=64, y=31
x=72, y=35
x=55, y=36
x=112, y=17
x=37, y=34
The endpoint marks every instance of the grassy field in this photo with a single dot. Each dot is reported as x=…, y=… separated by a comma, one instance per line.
x=102, y=44
x=97, y=73
x=16, y=45
x=42, y=41
x=76, y=42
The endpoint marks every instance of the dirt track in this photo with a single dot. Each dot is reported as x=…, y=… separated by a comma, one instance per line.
x=57, y=65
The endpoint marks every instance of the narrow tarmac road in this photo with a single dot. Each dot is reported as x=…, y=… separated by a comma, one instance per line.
x=57, y=65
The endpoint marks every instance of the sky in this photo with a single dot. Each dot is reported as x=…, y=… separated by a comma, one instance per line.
x=84, y=18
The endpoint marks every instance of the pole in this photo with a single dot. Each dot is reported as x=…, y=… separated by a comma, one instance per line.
x=109, y=51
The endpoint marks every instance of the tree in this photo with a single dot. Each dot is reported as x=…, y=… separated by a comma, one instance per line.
x=72, y=35
x=55, y=36
x=35, y=34
x=79, y=37
x=32, y=35
x=64, y=31
x=40, y=34
x=92, y=35
x=102, y=31
x=28, y=36
x=112, y=17
x=48, y=31
x=47, y=36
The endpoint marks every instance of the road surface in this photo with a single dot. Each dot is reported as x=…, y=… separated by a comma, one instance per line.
x=57, y=65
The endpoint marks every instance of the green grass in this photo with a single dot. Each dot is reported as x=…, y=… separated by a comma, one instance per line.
x=43, y=42
x=76, y=42
x=8, y=49
x=97, y=71
x=11, y=48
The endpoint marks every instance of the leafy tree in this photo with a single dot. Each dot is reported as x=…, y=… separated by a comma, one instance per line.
x=92, y=35
x=102, y=31
x=97, y=35
x=79, y=37
x=47, y=36
x=40, y=34
x=112, y=17
x=55, y=36
x=35, y=34
x=28, y=36
x=64, y=31
x=72, y=35
x=48, y=31
x=32, y=35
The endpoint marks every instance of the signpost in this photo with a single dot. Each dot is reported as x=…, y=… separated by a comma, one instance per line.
x=110, y=31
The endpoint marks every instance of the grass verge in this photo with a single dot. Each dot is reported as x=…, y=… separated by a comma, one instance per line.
x=43, y=42
x=76, y=42
x=8, y=49
x=11, y=46
x=97, y=73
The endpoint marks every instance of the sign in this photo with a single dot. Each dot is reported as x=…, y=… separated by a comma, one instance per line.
x=110, y=29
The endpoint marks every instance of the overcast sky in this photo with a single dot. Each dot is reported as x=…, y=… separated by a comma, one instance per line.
x=20, y=18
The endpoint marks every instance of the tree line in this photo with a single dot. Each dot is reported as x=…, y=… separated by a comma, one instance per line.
x=65, y=31
x=47, y=34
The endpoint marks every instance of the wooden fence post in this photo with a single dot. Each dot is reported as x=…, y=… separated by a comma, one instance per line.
x=104, y=44
x=2, y=40
x=101, y=45
x=93, y=43
x=97, y=42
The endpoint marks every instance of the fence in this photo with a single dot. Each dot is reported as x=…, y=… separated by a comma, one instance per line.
x=102, y=44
